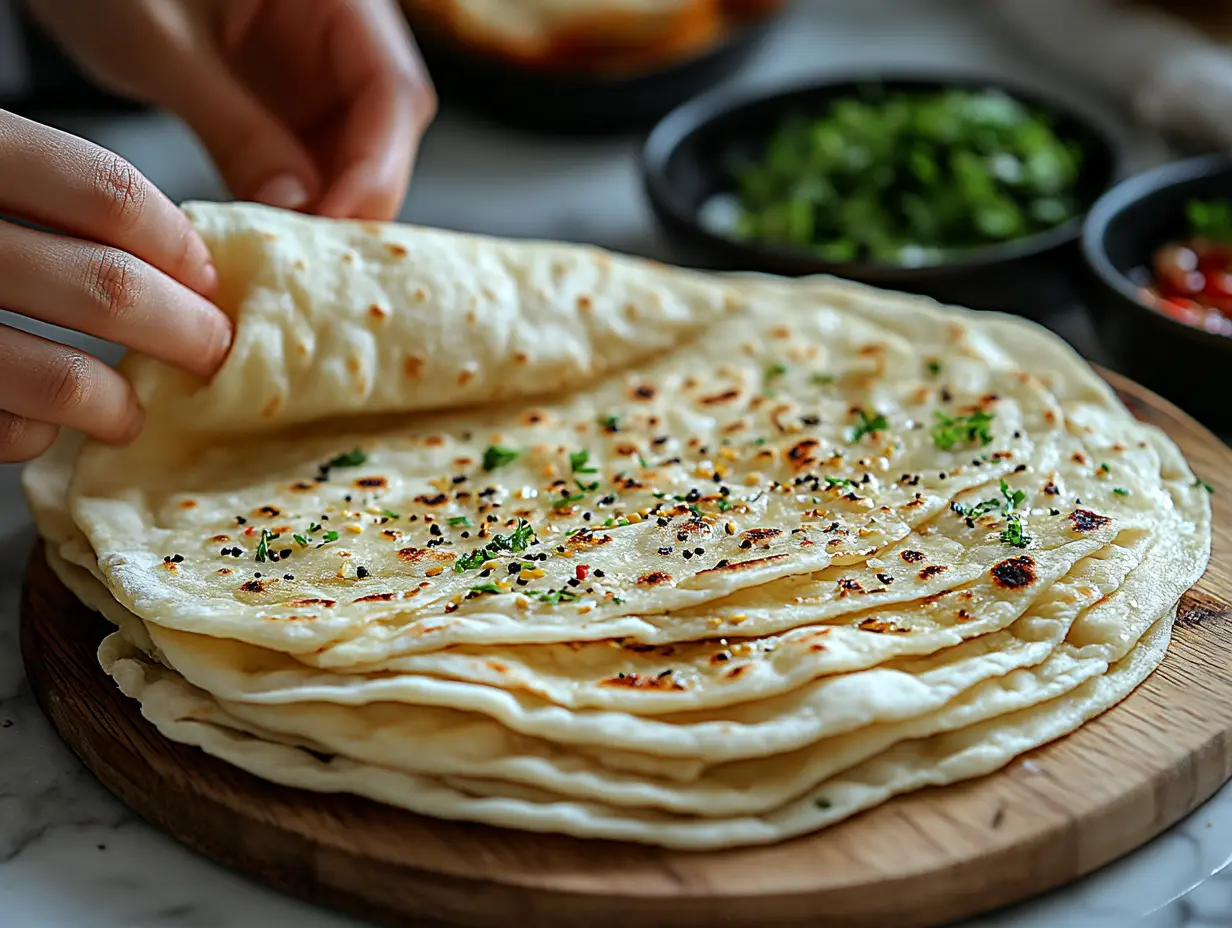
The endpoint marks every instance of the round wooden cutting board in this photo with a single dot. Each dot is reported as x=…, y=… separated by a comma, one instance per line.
x=923, y=859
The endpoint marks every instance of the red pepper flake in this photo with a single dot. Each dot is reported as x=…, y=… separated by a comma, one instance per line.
x=248, y=531
x=582, y=571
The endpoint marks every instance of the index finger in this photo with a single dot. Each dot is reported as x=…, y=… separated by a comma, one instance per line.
x=66, y=183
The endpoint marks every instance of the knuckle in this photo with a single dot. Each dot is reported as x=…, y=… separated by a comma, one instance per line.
x=113, y=282
x=69, y=384
x=121, y=188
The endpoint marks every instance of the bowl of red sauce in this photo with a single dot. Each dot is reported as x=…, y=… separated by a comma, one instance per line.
x=1158, y=250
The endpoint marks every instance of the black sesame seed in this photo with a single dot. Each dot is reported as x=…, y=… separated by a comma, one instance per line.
x=1020, y=468
x=257, y=575
x=461, y=478
x=361, y=572
x=665, y=550
x=434, y=530
x=347, y=498
x=522, y=582
x=288, y=576
x=746, y=544
x=687, y=554
x=573, y=581
x=599, y=573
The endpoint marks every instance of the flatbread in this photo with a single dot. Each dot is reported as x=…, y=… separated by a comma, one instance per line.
x=380, y=532
x=188, y=715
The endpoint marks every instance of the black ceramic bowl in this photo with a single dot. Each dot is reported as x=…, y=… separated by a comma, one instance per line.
x=691, y=156
x=583, y=104
x=1188, y=365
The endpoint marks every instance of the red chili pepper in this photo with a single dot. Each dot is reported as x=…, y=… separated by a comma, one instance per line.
x=248, y=531
x=582, y=571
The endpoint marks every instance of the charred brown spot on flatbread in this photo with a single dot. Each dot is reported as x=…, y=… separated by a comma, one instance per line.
x=642, y=681
x=932, y=570
x=912, y=557
x=656, y=578
x=1014, y=573
x=1084, y=520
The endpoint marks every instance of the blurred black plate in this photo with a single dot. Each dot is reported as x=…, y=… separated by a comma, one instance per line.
x=585, y=104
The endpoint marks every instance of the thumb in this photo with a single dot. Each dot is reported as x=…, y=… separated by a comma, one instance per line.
x=259, y=158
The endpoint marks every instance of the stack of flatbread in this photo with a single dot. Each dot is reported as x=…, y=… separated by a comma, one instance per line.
x=534, y=535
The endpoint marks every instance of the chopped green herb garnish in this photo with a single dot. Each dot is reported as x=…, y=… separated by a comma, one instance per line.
x=552, y=596
x=693, y=509
x=518, y=540
x=263, y=545
x=460, y=520
x=948, y=431
x=611, y=423
x=350, y=459
x=725, y=504
x=837, y=482
x=1015, y=535
x=487, y=588
x=1120, y=491
x=759, y=441
x=314, y=527
x=976, y=510
x=495, y=456
x=1105, y=469
x=568, y=500
x=823, y=380
x=618, y=601
x=389, y=514
x=1210, y=219
x=1012, y=499
x=300, y=540
x=642, y=461
x=777, y=369
x=577, y=462
x=868, y=425
x=934, y=368
x=909, y=178
x=1199, y=482
x=587, y=487
x=330, y=536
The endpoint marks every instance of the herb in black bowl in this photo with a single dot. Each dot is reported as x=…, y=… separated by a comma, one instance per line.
x=963, y=189
x=906, y=178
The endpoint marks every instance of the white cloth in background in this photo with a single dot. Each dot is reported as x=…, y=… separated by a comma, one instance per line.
x=1173, y=77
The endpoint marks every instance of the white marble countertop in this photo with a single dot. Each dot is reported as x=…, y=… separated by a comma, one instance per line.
x=73, y=857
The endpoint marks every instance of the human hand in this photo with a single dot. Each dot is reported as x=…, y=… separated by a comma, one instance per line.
x=315, y=106
x=128, y=267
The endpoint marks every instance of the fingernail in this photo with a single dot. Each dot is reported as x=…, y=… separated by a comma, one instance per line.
x=286, y=191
